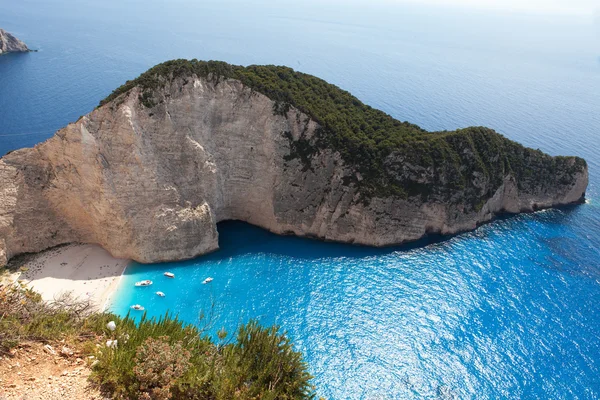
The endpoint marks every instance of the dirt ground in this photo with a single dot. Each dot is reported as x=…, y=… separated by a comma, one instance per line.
x=35, y=371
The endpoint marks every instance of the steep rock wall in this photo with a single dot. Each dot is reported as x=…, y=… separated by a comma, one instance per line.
x=10, y=44
x=150, y=183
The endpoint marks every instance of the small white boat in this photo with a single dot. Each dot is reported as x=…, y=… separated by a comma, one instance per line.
x=169, y=275
x=147, y=282
x=137, y=307
x=160, y=294
x=207, y=280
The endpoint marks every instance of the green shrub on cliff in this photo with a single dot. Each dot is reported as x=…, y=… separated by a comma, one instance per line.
x=165, y=358
x=158, y=358
x=375, y=144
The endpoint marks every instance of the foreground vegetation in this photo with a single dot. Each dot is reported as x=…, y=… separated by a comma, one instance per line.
x=159, y=359
x=378, y=146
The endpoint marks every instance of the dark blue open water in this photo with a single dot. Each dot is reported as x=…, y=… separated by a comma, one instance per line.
x=508, y=311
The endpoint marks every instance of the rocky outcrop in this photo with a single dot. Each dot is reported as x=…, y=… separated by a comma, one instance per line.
x=150, y=182
x=10, y=44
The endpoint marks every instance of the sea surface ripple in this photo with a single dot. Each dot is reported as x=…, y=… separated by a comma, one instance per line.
x=507, y=311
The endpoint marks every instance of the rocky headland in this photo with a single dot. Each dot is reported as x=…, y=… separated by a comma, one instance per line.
x=149, y=173
x=10, y=44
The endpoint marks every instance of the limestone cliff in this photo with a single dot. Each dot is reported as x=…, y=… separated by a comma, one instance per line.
x=149, y=173
x=10, y=44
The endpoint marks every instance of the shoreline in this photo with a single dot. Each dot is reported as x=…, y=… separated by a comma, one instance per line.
x=82, y=271
x=112, y=289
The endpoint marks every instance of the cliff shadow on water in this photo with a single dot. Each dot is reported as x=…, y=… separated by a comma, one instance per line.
x=238, y=238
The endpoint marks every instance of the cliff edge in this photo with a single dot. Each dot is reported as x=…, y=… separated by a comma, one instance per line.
x=10, y=44
x=150, y=172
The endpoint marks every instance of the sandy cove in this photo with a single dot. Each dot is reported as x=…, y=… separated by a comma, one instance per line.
x=86, y=271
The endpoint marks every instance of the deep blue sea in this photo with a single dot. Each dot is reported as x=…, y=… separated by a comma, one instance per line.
x=511, y=310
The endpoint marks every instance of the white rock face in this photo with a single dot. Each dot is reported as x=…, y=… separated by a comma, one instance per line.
x=10, y=44
x=151, y=184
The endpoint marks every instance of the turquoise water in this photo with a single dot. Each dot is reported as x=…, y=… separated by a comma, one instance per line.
x=482, y=313
x=508, y=311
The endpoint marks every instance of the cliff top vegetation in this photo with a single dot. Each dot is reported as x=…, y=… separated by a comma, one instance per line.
x=380, y=147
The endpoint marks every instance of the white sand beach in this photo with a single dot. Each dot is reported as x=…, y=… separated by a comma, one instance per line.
x=86, y=271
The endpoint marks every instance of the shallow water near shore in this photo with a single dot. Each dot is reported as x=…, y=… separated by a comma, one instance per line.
x=508, y=311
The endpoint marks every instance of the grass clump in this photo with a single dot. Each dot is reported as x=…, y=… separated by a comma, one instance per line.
x=25, y=317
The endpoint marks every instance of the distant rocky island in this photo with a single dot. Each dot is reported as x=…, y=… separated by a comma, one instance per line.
x=150, y=172
x=10, y=44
